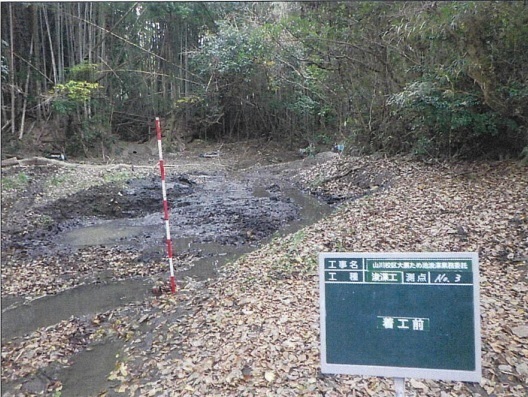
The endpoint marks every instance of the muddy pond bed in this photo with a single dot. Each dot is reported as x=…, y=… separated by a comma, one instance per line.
x=100, y=251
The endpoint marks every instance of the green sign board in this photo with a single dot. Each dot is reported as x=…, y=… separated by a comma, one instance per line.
x=403, y=315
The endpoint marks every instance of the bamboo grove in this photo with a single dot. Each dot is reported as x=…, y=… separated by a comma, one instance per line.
x=435, y=79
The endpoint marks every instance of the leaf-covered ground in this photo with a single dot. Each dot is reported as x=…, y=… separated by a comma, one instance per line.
x=254, y=331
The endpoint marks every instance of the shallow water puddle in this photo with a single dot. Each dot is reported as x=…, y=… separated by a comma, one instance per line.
x=82, y=300
x=90, y=369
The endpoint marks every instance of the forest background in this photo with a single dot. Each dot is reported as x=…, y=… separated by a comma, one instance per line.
x=433, y=79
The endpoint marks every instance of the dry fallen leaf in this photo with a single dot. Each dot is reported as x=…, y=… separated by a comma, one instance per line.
x=269, y=376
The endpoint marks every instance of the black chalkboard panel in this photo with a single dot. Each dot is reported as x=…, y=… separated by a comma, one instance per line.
x=400, y=315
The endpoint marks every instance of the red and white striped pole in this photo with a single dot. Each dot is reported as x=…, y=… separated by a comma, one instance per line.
x=165, y=207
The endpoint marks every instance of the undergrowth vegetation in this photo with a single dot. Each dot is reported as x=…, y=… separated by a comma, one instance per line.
x=433, y=79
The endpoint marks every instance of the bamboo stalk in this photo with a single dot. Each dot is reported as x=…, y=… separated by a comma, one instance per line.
x=26, y=93
x=52, y=52
x=12, y=67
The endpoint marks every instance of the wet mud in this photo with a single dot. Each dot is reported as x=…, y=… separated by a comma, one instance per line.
x=204, y=208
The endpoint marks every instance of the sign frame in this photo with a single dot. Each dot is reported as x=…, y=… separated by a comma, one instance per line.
x=415, y=371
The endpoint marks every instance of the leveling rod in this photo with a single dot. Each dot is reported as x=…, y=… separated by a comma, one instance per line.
x=165, y=208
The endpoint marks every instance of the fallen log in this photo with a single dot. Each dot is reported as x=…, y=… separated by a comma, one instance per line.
x=39, y=161
x=33, y=161
x=45, y=161
x=9, y=162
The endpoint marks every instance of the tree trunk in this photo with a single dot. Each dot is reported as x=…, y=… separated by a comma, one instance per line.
x=12, y=69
